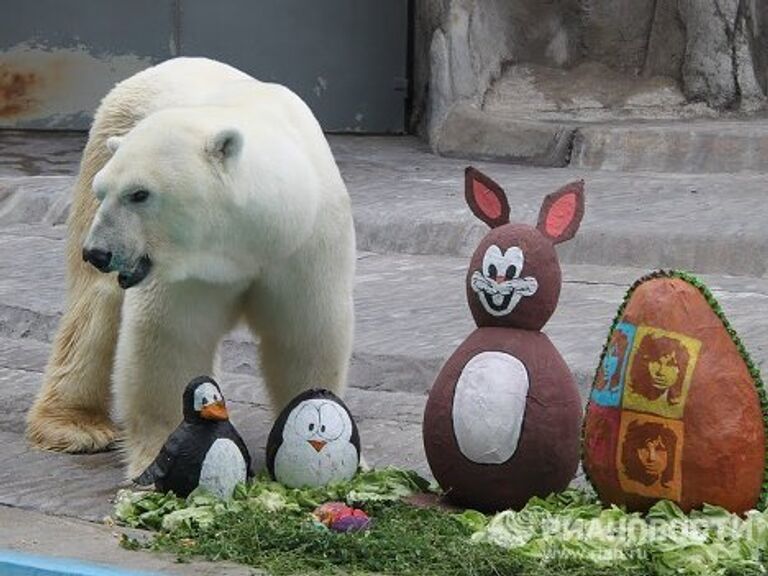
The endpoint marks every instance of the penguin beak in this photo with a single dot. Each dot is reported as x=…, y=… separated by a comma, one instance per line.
x=317, y=444
x=215, y=411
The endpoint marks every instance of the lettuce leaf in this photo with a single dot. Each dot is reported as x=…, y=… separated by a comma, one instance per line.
x=710, y=541
x=157, y=511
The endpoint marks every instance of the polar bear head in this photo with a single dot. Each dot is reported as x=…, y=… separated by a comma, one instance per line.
x=178, y=199
x=164, y=197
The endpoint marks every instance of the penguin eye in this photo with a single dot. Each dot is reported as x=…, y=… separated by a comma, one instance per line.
x=332, y=421
x=307, y=421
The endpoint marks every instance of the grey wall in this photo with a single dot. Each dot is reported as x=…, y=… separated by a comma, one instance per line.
x=346, y=58
x=59, y=58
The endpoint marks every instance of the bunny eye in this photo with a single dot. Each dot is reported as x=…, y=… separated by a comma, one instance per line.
x=506, y=264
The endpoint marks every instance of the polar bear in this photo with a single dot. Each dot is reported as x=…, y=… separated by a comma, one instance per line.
x=204, y=198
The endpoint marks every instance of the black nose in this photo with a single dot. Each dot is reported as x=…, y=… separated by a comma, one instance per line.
x=99, y=258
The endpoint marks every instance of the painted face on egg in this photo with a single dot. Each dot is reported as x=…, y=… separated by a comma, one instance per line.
x=317, y=422
x=314, y=442
x=513, y=279
x=498, y=284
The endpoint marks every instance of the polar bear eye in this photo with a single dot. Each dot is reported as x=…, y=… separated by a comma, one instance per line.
x=138, y=196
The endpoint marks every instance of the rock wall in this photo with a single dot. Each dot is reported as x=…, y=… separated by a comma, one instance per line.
x=715, y=50
x=459, y=48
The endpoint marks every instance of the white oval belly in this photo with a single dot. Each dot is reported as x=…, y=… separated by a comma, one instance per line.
x=489, y=407
x=298, y=465
x=223, y=467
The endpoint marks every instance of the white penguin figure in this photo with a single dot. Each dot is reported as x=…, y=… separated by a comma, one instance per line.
x=314, y=442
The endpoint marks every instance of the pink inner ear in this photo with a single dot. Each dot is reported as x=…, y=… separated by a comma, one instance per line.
x=560, y=215
x=486, y=200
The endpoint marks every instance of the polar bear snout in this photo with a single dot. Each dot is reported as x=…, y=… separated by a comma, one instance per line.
x=128, y=276
x=100, y=259
x=126, y=279
x=115, y=243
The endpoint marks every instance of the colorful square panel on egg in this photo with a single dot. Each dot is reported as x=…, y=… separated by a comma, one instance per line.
x=659, y=372
x=649, y=456
x=609, y=380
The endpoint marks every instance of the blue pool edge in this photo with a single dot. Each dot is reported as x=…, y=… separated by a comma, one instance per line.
x=22, y=564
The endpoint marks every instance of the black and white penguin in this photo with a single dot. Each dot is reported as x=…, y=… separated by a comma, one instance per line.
x=204, y=450
x=314, y=442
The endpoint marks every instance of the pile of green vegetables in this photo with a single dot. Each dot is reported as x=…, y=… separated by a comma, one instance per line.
x=270, y=527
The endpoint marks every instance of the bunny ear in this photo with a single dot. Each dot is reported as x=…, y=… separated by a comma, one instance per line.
x=561, y=212
x=486, y=199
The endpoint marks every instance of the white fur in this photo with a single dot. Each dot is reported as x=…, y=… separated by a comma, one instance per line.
x=247, y=219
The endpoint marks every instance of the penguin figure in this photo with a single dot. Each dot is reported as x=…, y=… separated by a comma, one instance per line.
x=314, y=442
x=204, y=450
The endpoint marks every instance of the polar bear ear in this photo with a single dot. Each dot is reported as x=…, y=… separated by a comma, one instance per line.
x=113, y=143
x=225, y=145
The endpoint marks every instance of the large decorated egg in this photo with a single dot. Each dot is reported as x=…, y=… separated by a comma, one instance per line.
x=675, y=409
x=314, y=442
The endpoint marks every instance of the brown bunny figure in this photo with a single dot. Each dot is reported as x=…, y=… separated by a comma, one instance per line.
x=503, y=419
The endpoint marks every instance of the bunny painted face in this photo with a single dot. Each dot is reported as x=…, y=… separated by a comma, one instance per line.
x=514, y=276
x=498, y=284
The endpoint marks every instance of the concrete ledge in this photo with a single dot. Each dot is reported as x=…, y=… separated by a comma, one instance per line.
x=468, y=131
x=692, y=147
x=66, y=543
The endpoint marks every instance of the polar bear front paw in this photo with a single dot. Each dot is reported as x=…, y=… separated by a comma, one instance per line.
x=70, y=430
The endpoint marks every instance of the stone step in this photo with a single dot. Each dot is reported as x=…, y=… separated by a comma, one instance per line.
x=681, y=147
x=590, y=116
x=411, y=314
x=692, y=147
x=407, y=200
